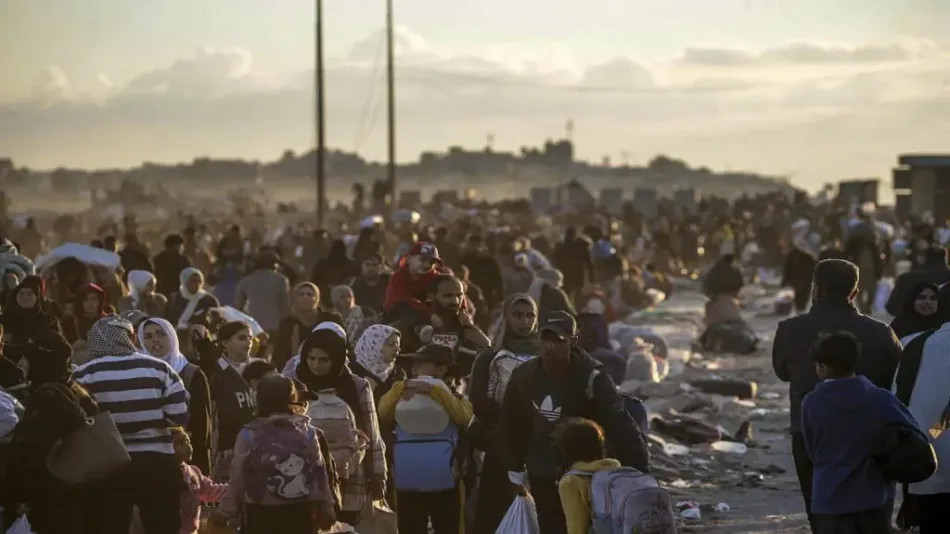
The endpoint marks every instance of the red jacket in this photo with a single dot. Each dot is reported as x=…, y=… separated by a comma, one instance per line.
x=404, y=288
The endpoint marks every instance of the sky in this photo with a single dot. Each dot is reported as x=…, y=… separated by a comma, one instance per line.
x=811, y=89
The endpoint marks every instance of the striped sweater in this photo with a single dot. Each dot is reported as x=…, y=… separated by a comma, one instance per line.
x=144, y=395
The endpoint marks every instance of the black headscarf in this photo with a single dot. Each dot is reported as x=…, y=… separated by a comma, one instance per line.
x=913, y=352
x=48, y=360
x=909, y=321
x=339, y=379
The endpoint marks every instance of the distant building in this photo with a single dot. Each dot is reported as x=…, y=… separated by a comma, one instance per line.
x=922, y=185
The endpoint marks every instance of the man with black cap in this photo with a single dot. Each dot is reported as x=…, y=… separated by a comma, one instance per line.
x=562, y=383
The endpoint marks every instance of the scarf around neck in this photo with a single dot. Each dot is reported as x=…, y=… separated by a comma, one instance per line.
x=192, y=298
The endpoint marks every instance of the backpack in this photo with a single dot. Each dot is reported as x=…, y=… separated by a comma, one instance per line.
x=632, y=405
x=187, y=373
x=283, y=466
x=423, y=454
x=624, y=500
x=499, y=372
x=334, y=417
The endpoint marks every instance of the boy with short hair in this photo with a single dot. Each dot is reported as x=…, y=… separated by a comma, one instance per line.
x=843, y=421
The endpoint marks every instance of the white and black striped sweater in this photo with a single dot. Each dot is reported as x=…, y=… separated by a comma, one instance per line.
x=144, y=395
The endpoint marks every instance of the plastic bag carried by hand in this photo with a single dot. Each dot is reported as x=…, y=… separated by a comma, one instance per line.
x=21, y=526
x=522, y=518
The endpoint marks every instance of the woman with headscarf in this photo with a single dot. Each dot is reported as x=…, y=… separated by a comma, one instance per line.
x=223, y=361
x=517, y=334
x=293, y=329
x=25, y=319
x=920, y=311
x=323, y=367
x=191, y=304
x=157, y=337
x=333, y=324
x=142, y=295
x=375, y=360
x=355, y=318
x=53, y=411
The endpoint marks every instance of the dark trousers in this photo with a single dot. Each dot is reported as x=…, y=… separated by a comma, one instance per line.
x=804, y=468
x=548, y=502
x=154, y=483
x=417, y=508
x=876, y=521
x=933, y=513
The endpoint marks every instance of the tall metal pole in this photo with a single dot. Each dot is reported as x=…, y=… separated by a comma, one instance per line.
x=320, y=118
x=391, y=99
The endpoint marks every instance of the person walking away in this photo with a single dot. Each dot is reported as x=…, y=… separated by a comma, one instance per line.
x=920, y=312
x=169, y=264
x=573, y=258
x=835, y=286
x=484, y=269
x=335, y=270
x=514, y=342
x=157, y=338
x=191, y=304
x=58, y=406
x=843, y=420
x=279, y=477
x=199, y=488
x=923, y=385
x=580, y=443
x=594, y=337
x=346, y=413
x=797, y=274
x=223, y=361
x=369, y=288
x=227, y=271
x=148, y=400
x=563, y=382
x=428, y=461
x=265, y=294
x=142, y=295
x=863, y=246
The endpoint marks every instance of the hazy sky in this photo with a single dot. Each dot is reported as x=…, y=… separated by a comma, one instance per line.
x=815, y=88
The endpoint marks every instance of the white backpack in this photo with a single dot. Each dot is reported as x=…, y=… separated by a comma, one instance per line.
x=624, y=500
x=499, y=372
x=421, y=414
x=334, y=417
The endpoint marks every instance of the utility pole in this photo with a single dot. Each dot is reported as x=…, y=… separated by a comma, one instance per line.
x=320, y=118
x=391, y=99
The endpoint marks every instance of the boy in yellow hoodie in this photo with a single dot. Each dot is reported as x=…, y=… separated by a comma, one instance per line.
x=416, y=508
x=581, y=447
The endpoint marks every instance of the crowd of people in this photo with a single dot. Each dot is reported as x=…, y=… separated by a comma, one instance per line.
x=302, y=381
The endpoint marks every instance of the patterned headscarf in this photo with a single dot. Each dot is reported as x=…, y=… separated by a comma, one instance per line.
x=111, y=336
x=369, y=350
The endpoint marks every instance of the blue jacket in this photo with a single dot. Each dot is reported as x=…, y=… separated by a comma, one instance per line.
x=842, y=421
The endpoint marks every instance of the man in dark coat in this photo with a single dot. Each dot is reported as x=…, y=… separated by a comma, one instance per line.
x=835, y=286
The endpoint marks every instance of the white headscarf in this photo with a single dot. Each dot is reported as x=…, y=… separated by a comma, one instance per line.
x=139, y=280
x=192, y=298
x=174, y=358
x=369, y=350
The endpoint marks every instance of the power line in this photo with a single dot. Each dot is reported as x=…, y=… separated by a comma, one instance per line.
x=370, y=112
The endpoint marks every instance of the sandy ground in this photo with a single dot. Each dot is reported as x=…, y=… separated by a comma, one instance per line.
x=760, y=486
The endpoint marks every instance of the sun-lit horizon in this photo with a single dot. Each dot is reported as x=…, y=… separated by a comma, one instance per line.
x=818, y=92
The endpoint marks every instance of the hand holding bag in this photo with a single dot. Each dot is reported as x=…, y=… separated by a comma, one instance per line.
x=522, y=517
x=377, y=518
x=89, y=454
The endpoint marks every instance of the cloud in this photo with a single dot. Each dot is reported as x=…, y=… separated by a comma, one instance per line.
x=215, y=103
x=804, y=53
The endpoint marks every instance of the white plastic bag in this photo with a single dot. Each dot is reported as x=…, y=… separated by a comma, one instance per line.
x=522, y=518
x=21, y=526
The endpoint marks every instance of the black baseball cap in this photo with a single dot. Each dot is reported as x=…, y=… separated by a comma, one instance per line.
x=560, y=323
x=432, y=353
